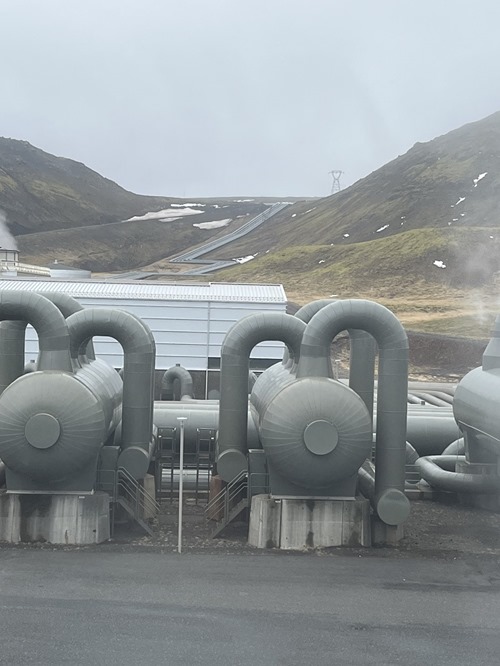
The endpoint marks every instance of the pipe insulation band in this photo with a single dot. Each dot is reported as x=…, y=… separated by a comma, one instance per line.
x=392, y=341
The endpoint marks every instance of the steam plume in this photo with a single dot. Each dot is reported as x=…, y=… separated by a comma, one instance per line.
x=7, y=240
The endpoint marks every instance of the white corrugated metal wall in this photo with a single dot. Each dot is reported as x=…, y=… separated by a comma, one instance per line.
x=189, y=322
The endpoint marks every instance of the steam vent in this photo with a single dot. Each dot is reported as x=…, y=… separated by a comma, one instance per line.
x=93, y=390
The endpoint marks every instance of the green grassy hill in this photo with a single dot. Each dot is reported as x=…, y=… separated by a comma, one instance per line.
x=40, y=192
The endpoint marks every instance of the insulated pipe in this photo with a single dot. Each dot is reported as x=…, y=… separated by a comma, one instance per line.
x=363, y=350
x=12, y=336
x=46, y=319
x=235, y=360
x=362, y=354
x=392, y=505
x=138, y=346
x=432, y=399
x=68, y=306
x=430, y=433
x=167, y=382
x=456, y=448
x=430, y=468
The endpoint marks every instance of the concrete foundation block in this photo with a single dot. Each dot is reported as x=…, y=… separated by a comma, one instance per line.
x=301, y=523
x=57, y=519
x=385, y=535
x=265, y=522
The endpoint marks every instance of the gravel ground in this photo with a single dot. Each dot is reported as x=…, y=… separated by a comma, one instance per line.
x=434, y=528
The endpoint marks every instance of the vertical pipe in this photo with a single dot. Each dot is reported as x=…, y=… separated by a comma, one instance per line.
x=12, y=336
x=181, y=420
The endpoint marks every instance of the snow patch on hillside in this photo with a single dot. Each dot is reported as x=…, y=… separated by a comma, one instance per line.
x=165, y=215
x=213, y=225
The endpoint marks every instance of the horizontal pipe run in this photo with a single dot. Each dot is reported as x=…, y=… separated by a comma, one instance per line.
x=438, y=472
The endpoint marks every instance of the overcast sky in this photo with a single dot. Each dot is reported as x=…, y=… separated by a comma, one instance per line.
x=243, y=97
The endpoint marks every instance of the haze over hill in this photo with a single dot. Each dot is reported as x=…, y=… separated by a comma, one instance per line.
x=424, y=223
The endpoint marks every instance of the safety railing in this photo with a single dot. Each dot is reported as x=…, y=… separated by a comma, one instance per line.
x=123, y=488
x=136, y=495
x=219, y=508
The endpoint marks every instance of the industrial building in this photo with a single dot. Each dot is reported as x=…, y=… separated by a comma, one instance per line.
x=189, y=320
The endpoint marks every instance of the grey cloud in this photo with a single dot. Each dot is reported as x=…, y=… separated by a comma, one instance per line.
x=200, y=98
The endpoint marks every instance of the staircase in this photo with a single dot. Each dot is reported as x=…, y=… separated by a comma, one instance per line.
x=136, y=501
x=227, y=505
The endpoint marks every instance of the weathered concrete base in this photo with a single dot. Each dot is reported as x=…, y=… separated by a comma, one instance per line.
x=300, y=523
x=385, y=535
x=57, y=519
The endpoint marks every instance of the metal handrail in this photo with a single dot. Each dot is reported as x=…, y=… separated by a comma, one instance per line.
x=140, y=495
x=224, y=490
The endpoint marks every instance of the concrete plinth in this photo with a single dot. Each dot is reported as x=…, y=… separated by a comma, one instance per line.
x=57, y=519
x=386, y=535
x=300, y=523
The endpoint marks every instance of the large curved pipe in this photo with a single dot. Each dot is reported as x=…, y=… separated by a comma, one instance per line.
x=431, y=469
x=13, y=335
x=392, y=505
x=68, y=306
x=362, y=353
x=456, y=448
x=185, y=380
x=235, y=360
x=46, y=319
x=138, y=346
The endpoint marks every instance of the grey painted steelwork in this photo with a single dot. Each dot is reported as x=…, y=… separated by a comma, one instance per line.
x=199, y=417
x=455, y=448
x=48, y=322
x=12, y=340
x=476, y=410
x=11, y=352
x=184, y=378
x=138, y=376
x=235, y=355
x=381, y=323
x=363, y=350
x=53, y=424
x=430, y=432
x=316, y=433
x=439, y=471
x=50, y=439
x=476, y=402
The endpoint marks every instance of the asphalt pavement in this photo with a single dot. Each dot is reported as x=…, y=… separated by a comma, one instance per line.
x=102, y=606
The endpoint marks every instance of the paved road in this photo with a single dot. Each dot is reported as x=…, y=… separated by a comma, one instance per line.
x=104, y=607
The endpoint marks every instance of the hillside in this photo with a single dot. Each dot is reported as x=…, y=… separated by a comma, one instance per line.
x=436, y=184
x=40, y=192
x=423, y=229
